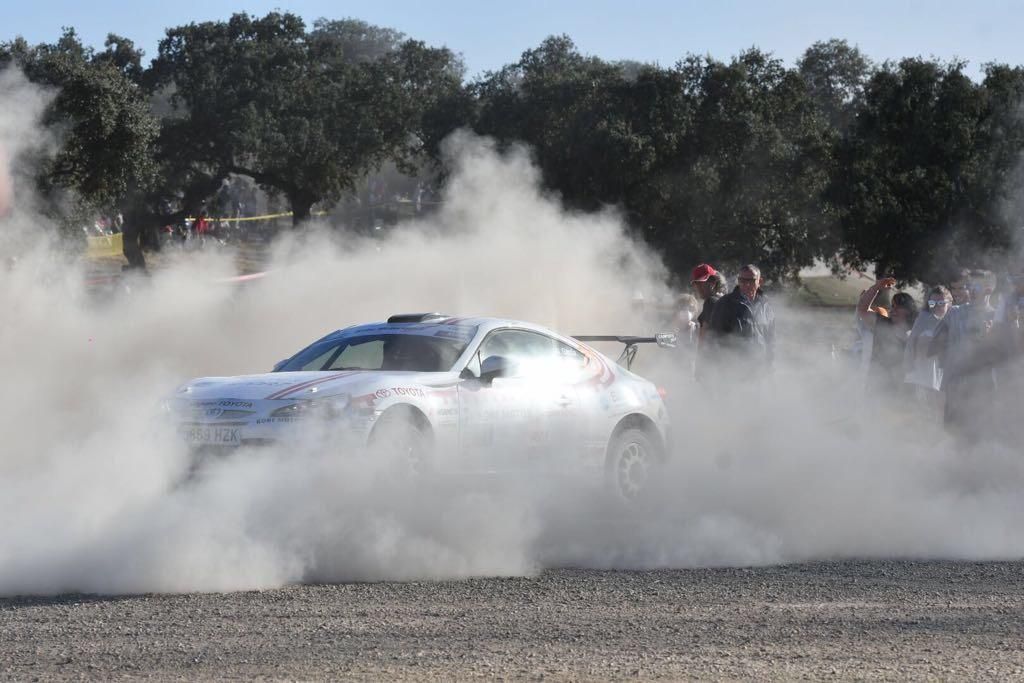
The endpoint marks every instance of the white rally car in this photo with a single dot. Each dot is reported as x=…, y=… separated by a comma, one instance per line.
x=448, y=393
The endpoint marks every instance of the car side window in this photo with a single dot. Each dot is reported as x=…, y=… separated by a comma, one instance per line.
x=532, y=352
x=571, y=362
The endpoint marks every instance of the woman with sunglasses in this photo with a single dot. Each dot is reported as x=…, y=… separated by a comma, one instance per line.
x=923, y=370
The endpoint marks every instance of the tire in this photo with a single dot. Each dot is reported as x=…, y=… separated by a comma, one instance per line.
x=397, y=439
x=632, y=456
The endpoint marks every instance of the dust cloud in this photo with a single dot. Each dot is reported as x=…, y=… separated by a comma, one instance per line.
x=89, y=473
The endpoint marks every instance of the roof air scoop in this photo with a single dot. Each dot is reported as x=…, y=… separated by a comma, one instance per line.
x=418, y=317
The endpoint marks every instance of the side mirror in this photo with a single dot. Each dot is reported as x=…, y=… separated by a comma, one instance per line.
x=496, y=366
x=280, y=364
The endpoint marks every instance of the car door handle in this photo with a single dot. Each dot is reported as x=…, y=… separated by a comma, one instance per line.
x=564, y=402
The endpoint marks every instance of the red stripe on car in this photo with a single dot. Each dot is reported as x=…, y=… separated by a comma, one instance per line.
x=305, y=385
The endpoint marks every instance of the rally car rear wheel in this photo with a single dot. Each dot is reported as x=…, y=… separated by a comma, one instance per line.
x=631, y=456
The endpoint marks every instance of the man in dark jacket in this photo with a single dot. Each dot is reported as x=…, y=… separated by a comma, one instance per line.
x=742, y=332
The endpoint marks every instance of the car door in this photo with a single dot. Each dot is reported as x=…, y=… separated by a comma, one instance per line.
x=523, y=419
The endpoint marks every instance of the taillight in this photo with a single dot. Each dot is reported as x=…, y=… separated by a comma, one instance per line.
x=663, y=392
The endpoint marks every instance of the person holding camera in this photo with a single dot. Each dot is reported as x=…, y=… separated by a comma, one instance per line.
x=889, y=329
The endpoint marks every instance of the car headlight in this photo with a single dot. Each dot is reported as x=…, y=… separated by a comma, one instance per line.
x=326, y=407
x=300, y=409
x=172, y=406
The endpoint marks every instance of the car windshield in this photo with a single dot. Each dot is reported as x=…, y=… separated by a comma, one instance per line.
x=380, y=351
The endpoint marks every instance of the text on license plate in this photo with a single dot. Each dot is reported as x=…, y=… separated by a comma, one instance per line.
x=225, y=436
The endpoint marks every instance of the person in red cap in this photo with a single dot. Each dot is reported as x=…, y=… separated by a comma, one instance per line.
x=710, y=286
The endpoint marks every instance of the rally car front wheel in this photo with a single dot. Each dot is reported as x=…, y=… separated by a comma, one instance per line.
x=399, y=439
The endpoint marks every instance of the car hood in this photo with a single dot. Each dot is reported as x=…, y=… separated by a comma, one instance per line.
x=295, y=385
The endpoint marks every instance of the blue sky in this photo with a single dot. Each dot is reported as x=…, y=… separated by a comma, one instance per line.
x=490, y=34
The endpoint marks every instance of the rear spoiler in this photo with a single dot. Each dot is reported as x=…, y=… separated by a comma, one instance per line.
x=665, y=340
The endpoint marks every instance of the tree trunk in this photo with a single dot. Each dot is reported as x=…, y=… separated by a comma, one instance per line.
x=132, y=232
x=302, y=204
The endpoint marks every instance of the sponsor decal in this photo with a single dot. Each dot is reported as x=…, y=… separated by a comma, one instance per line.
x=213, y=412
x=275, y=420
x=460, y=333
x=386, y=392
x=235, y=404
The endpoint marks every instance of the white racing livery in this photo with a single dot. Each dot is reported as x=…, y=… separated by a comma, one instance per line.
x=478, y=395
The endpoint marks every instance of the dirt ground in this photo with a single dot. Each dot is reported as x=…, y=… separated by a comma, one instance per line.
x=844, y=620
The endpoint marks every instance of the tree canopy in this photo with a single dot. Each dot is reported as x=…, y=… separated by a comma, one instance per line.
x=909, y=165
x=100, y=117
x=304, y=113
x=917, y=181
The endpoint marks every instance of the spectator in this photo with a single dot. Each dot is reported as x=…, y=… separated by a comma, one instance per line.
x=684, y=321
x=980, y=293
x=966, y=360
x=960, y=287
x=889, y=331
x=970, y=304
x=644, y=318
x=1008, y=370
x=6, y=190
x=741, y=334
x=710, y=286
x=923, y=371
x=1010, y=314
x=202, y=227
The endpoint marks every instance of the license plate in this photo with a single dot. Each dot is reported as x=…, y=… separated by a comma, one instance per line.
x=208, y=434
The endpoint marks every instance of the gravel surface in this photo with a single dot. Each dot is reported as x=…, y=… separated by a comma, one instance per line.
x=892, y=620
